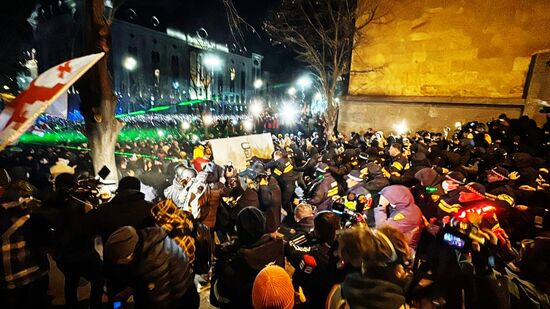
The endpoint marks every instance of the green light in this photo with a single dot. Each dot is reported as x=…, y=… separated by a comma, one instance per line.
x=121, y=153
x=187, y=103
x=136, y=113
x=159, y=108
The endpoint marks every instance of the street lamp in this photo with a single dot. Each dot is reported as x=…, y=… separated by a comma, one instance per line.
x=291, y=91
x=258, y=84
x=304, y=82
x=130, y=64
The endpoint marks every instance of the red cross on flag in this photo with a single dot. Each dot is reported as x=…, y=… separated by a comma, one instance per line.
x=19, y=114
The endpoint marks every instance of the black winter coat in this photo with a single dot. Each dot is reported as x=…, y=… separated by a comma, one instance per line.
x=237, y=267
x=161, y=275
x=128, y=208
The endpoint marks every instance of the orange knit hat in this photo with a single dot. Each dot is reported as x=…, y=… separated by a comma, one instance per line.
x=272, y=289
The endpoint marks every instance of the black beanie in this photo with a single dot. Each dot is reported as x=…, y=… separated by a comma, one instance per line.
x=65, y=181
x=250, y=225
x=129, y=183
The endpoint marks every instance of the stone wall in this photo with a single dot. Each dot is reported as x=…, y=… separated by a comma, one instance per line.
x=438, y=62
x=464, y=48
x=358, y=113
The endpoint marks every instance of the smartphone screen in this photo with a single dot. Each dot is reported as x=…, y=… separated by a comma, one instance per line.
x=454, y=240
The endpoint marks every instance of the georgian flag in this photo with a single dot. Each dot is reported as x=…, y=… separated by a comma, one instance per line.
x=19, y=115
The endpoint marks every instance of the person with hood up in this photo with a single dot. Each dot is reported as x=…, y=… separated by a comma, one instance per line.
x=152, y=265
x=403, y=214
x=239, y=262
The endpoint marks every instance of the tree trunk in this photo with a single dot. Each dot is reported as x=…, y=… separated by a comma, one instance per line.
x=330, y=116
x=96, y=92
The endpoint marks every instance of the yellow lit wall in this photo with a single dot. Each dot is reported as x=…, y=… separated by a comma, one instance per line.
x=457, y=48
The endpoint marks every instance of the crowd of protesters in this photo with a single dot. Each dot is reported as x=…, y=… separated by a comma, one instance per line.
x=451, y=219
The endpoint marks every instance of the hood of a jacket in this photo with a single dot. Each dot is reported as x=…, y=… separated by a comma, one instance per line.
x=398, y=195
x=363, y=292
x=264, y=251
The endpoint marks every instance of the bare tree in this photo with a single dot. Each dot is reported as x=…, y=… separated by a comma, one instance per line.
x=323, y=33
x=200, y=75
x=96, y=88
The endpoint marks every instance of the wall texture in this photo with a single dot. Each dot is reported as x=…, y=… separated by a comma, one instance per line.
x=467, y=48
x=442, y=61
x=358, y=113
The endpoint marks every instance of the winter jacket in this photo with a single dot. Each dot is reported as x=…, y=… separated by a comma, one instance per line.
x=316, y=271
x=22, y=252
x=270, y=203
x=405, y=216
x=358, y=189
x=360, y=292
x=237, y=267
x=66, y=215
x=399, y=164
x=214, y=196
x=286, y=176
x=174, y=193
x=322, y=192
x=127, y=208
x=161, y=275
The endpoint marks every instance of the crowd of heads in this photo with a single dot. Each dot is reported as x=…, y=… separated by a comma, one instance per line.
x=364, y=212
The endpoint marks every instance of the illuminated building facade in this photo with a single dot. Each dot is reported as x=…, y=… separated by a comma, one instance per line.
x=153, y=67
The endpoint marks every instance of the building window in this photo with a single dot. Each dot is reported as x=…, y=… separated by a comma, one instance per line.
x=175, y=67
x=132, y=50
x=232, y=78
x=220, y=83
x=243, y=80
x=256, y=63
x=155, y=58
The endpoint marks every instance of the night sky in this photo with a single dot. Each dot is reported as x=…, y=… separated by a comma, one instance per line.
x=190, y=15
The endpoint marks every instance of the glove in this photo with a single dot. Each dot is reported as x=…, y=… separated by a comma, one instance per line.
x=514, y=176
